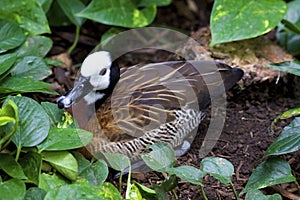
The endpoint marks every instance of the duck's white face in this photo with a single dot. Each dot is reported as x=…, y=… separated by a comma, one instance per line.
x=94, y=77
x=96, y=68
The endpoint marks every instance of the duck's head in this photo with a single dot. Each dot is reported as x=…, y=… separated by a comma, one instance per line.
x=97, y=78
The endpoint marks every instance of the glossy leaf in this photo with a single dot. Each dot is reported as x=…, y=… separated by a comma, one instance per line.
x=56, y=16
x=134, y=193
x=13, y=189
x=65, y=139
x=287, y=31
x=117, y=161
x=33, y=124
x=219, y=168
x=188, y=173
x=35, y=46
x=70, y=8
x=96, y=173
x=27, y=14
x=35, y=193
x=9, y=120
x=84, y=191
x=31, y=163
x=288, y=140
x=22, y=85
x=271, y=172
x=292, y=67
x=49, y=182
x=63, y=161
x=156, y=2
x=160, y=158
x=6, y=63
x=31, y=67
x=119, y=13
x=55, y=114
x=242, y=19
x=11, y=167
x=258, y=195
x=83, y=163
x=11, y=36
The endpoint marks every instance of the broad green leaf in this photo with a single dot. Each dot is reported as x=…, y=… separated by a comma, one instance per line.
x=287, y=33
x=35, y=46
x=258, y=195
x=49, y=182
x=6, y=64
x=55, y=114
x=70, y=8
x=156, y=2
x=63, y=161
x=188, y=173
x=65, y=139
x=35, y=193
x=271, y=172
x=83, y=163
x=160, y=158
x=96, y=173
x=292, y=67
x=31, y=67
x=56, y=16
x=33, y=124
x=288, y=140
x=31, y=163
x=13, y=189
x=84, y=191
x=45, y=4
x=11, y=167
x=233, y=20
x=135, y=193
x=11, y=36
x=27, y=14
x=287, y=114
x=119, y=13
x=219, y=168
x=22, y=85
x=117, y=161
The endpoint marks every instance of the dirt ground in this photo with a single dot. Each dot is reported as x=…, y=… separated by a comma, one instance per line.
x=250, y=112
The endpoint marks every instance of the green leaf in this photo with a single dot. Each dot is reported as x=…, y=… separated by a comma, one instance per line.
x=27, y=14
x=31, y=164
x=65, y=139
x=56, y=16
x=288, y=140
x=270, y=172
x=84, y=191
x=292, y=67
x=33, y=124
x=70, y=8
x=119, y=13
x=146, y=192
x=242, y=19
x=156, y=2
x=83, y=163
x=32, y=67
x=258, y=195
x=55, y=114
x=35, y=193
x=62, y=161
x=96, y=173
x=49, y=182
x=117, y=161
x=35, y=46
x=134, y=193
x=160, y=158
x=6, y=64
x=22, y=85
x=13, y=189
x=11, y=167
x=45, y=4
x=287, y=32
x=11, y=36
x=188, y=173
x=220, y=168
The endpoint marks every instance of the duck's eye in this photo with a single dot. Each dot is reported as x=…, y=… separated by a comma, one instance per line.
x=103, y=71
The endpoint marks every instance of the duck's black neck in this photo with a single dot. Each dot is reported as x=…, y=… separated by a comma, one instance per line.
x=114, y=78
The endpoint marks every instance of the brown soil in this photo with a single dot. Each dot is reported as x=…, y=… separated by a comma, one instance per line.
x=246, y=134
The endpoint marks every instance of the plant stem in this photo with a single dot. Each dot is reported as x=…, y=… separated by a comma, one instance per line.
x=297, y=184
x=18, y=151
x=120, y=181
x=75, y=40
x=203, y=193
x=175, y=195
x=234, y=191
x=128, y=188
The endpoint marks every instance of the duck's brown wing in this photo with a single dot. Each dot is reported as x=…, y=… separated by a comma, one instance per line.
x=147, y=95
